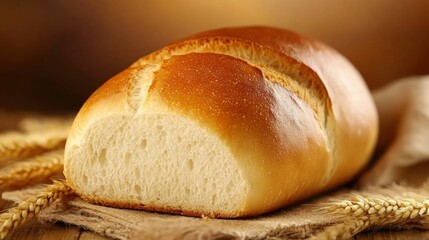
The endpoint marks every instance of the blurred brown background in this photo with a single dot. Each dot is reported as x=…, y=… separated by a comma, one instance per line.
x=55, y=53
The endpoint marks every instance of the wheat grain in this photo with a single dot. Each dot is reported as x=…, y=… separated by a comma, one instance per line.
x=16, y=216
x=20, y=145
x=35, y=169
x=373, y=212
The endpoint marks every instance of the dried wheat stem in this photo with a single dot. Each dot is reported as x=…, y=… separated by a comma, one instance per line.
x=43, y=124
x=344, y=230
x=366, y=212
x=29, y=208
x=34, y=169
x=20, y=145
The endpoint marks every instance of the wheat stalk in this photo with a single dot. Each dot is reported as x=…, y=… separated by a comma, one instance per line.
x=16, y=216
x=20, y=145
x=371, y=212
x=43, y=124
x=34, y=169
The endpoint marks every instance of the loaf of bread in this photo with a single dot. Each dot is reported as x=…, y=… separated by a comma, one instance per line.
x=228, y=123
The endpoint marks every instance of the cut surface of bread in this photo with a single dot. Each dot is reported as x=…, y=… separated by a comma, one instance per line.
x=172, y=162
x=223, y=124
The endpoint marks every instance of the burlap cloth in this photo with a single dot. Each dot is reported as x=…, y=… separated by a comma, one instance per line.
x=297, y=222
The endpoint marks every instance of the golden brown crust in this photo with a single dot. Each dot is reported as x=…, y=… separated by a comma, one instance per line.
x=293, y=111
x=232, y=46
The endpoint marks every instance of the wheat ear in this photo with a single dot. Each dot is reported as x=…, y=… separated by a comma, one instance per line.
x=373, y=212
x=20, y=145
x=38, y=168
x=16, y=216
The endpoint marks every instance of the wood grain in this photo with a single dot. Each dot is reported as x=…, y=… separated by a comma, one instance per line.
x=394, y=235
x=36, y=230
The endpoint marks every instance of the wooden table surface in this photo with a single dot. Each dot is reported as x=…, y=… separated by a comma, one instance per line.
x=36, y=230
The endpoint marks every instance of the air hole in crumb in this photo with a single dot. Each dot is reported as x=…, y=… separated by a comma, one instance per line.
x=102, y=156
x=85, y=179
x=101, y=188
x=165, y=152
x=138, y=189
x=91, y=148
x=205, y=181
x=127, y=158
x=214, y=198
x=179, y=138
x=162, y=134
x=93, y=158
x=190, y=164
x=137, y=173
x=143, y=144
x=187, y=191
x=229, y=187
x=159, y=128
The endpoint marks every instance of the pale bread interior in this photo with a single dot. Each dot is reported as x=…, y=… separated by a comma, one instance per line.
x=157, y=159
